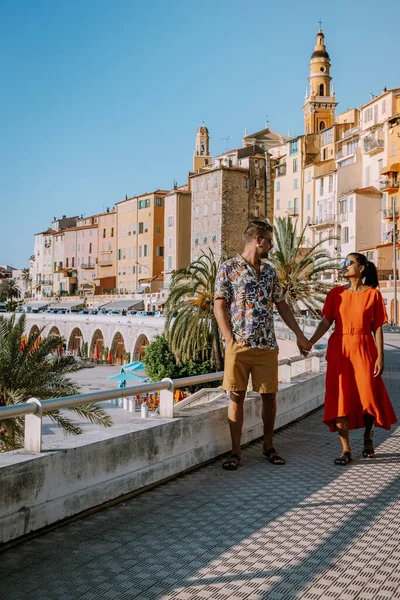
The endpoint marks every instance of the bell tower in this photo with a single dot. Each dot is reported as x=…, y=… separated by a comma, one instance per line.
x=202, y=156
x=320, y=102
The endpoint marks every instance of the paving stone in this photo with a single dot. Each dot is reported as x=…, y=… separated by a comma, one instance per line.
x=309, y=530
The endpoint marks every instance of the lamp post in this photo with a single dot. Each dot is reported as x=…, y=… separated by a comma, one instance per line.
x=394, y=260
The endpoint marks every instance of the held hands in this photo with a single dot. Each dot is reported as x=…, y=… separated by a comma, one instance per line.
x=379, y=366
x=303, y=344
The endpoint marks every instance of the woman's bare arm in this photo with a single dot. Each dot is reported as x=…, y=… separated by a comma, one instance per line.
x=322, y=328
x=379, y=364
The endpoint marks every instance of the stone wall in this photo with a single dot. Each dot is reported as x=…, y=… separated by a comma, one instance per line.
x=235, y=211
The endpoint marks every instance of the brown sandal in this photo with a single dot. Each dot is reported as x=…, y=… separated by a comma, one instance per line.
x=273, y=456
x=368, y=450
x=232, y=463
x=344, y=459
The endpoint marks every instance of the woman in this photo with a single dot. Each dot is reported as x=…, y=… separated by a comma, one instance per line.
x=355, y=393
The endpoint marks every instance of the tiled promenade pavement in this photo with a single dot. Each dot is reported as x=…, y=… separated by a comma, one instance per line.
x=309, y=529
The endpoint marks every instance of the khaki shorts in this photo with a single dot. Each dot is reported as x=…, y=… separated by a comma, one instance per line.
x=261, y=363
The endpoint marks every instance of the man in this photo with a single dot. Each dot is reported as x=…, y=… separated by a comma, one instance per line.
x=246, y=290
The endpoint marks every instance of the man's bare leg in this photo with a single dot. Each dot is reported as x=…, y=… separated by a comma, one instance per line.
x=235, y=418
x=268, y=414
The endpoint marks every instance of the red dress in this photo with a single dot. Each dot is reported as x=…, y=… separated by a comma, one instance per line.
x=351, y=388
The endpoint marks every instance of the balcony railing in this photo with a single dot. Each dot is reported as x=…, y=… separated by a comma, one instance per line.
x=345, y=153
x=389, y=183
x=372, y=145
x=44, y=282
x=294, y=211
x=350, y=132
x=324, y=221
x=88, y=265
x=388, y=213
x=107, y=262
x=384, y=184
x=342, y=217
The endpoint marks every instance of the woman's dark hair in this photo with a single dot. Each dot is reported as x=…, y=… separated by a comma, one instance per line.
x=370, y=273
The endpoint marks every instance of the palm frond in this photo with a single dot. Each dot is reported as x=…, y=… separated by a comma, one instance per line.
x=298, y=269
x=29, y=370
x=190, y=323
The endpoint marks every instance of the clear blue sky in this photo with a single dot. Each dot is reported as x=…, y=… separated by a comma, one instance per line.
x=102, y=98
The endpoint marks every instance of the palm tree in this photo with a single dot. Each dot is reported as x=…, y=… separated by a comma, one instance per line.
x=26, y=371
x=299, y=269
x=9, y=291
x=26, y=278
x=191, y=328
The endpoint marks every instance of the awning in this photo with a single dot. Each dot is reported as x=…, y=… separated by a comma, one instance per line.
x=72, y=304
x=393, y=167
x=159, y=302
x=36, y=305
x=125, y=305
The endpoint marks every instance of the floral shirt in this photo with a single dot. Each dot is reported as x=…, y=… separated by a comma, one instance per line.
x=250, y=301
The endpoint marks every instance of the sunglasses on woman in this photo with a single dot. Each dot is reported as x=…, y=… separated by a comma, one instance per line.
x=345, y=263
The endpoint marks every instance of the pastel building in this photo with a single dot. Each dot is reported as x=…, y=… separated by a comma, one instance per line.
x=107, y=252
x=42, y=267
x=140, y=242
x=87, y=231
x=177, y=230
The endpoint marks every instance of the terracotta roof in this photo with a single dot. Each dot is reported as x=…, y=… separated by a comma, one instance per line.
x=162, y=192
x=110, y=212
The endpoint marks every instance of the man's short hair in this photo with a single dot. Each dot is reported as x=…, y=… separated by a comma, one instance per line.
x=255, y=228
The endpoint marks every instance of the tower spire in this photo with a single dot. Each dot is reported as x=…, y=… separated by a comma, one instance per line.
x=202, y=156
x=319, y=108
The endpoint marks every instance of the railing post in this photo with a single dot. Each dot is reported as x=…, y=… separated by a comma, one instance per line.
x=33, y=428
x=315, y=364
x=167, y=400
x=286, y=371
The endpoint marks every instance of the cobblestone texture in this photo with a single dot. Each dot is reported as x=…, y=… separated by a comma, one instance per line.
x=307, y=530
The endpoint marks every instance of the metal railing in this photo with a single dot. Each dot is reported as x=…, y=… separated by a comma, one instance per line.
x=373, y=144
x=350, y=132
x=345, y=153
x=321, y=221
x=388, y=213
x=34, y=409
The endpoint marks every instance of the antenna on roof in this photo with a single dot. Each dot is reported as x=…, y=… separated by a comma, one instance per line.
x=227, y=138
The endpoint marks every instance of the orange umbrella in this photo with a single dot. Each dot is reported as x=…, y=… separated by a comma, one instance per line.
x=109, y=357
x=96, y=353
